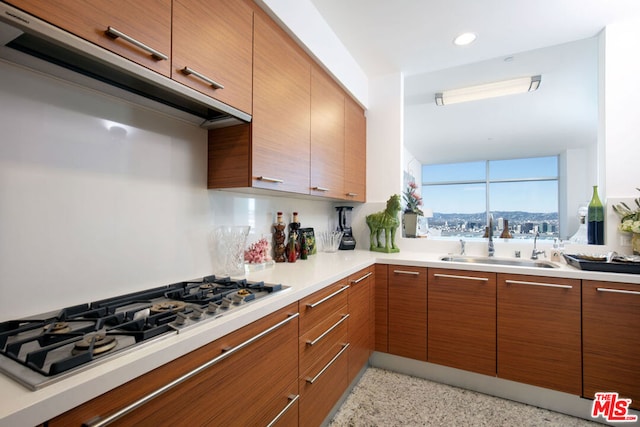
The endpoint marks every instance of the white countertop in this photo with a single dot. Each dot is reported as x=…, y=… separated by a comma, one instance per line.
x=22, y=407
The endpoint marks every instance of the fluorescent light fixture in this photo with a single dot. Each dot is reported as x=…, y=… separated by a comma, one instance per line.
x=489, y=90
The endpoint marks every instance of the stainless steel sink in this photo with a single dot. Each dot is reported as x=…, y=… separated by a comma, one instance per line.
x=499, y=261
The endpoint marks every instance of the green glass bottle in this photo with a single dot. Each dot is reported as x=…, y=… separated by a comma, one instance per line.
x=595, y=220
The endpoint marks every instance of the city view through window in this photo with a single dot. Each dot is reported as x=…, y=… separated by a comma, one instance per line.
x=521, y=194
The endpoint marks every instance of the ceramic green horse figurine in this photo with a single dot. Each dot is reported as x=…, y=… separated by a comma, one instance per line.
x=388, y=222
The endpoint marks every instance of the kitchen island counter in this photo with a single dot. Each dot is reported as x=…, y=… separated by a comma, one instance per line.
x=22, y=407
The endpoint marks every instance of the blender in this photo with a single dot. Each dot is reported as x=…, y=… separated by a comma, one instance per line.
x=344, y=224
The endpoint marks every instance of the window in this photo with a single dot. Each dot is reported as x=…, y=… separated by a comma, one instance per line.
x=522, y=193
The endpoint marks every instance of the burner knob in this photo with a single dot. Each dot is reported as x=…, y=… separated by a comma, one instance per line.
x=237, y=299
x=212, y=308
x=197, y=313
x=180, y=319
x=226, y=302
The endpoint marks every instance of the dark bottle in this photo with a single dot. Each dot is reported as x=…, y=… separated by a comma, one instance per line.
x=595, y=220
x=279, y=240
x=293, y=244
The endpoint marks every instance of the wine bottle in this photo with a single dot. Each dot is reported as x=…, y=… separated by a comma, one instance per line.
x=595, y=220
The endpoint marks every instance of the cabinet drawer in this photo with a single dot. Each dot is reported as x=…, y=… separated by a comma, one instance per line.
x=317, y=307
x=316, y=345
x=329, y=382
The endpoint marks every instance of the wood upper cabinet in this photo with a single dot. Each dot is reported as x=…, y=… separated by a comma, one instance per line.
x=273, y=151
x=214, y=38
x=263, y=373
x=355, y=152
x=327, y=136
x=147, y=22
x=610, y=337
x=407, y=299
x=539, y=331
x=462, y=319
x=361, y=323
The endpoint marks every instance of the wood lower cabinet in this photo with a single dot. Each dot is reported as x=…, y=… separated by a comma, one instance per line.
x=273, y=151
x=355, y=151
x=147, y=22
x=263, y=375
x=462, y=320
x=610, y=337
x=214, y=38
x=407, y=305
x=381, y=308
x=327, y=136
x=360, y=319
x=539, y=331
x=324, y=352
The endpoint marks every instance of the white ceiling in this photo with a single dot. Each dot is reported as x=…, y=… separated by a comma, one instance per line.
x=554, y=38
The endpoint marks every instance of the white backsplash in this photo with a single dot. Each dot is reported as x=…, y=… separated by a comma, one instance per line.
x=100, y=197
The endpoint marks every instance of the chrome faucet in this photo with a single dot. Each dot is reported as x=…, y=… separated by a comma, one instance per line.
x=462, y=250
x=535, y=253
x=490, y=233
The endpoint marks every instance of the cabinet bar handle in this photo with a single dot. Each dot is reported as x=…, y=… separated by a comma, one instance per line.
x=268, y=179
x=320, y=189
x=115, y=34
x=188, y=71
x=99, y=422
x=454, y=276
x=314, y=379
x=546, y=285
x=328, y=297
x=618, y=291
x=292, y=400
x=325, y=333
x=413, y=273
x=355, y=282
x=352, y=194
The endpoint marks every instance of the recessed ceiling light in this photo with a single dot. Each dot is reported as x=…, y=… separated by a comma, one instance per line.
x=465, y=39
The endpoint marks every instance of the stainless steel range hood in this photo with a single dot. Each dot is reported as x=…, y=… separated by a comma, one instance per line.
x=33, y=43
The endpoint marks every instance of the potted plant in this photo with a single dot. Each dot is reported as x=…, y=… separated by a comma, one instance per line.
x=412, y=210
x=630, y=222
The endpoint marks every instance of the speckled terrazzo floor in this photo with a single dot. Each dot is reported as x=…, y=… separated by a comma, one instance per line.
x=384, y=398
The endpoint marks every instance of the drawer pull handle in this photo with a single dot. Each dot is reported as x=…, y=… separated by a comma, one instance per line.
x=454, y=276
x=190, y=71
x=355, y=282
x=328, y=297
x=328, y=331
x=115, y=34
x=546, y=285
x=618, y=291
x=268, y=179
x=314, y=379
x=352, y=194
x=320, y=189
x=412, y=273
x=292, y=400
x=99, y=422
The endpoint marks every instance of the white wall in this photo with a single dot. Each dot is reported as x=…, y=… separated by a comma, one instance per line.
x=88, y=213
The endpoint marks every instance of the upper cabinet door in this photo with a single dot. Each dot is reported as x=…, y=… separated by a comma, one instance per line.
x=281, y=111
x=327, y=136
x=355, y=152
x=212, y=49
x=138, y=31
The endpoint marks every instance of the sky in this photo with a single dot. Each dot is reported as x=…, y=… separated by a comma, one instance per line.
x=528, y=196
